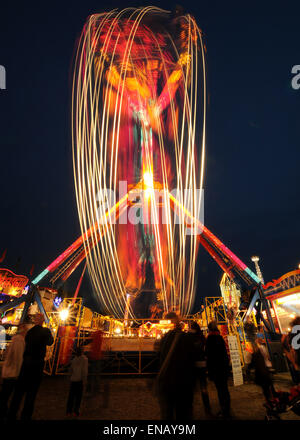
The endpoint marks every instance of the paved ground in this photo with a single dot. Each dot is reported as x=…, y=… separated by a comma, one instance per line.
x=132, y=399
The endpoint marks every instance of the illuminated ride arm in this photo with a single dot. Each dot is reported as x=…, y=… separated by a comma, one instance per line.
x=167, y=95
x=173, y=82
x=130, y=87
x=228, y=261
x=80, y=241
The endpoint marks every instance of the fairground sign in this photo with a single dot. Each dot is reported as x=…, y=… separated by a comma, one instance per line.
x=12, y=284
x=287, y=284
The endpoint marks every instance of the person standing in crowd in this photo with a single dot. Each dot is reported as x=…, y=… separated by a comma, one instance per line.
x=263, y=376
x=200, y=364
x=250, y=330
x=175, y=379
x=11, y=368
x=248, y=358
x=94, y=354
x=218, y=366
x=79, y=372
x=264, y=351
x=36, y=341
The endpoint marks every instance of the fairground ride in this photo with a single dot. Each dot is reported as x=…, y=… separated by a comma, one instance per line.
x=138, y=118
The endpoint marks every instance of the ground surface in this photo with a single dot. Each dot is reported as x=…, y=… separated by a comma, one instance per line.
x=133, y=399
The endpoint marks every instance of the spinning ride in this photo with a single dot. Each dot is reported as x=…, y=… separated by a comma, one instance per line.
x=138, y=96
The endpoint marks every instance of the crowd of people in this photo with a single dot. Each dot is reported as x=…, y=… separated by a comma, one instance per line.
x=187, y=360
x=189, y=357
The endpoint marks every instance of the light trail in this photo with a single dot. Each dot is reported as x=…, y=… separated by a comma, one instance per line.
x=137, y=83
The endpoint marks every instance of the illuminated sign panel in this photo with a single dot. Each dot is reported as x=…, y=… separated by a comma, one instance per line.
x=12, y=284
x=285, y=285
x=284, y=294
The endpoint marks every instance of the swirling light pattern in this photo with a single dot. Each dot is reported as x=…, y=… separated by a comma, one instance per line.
x=138, y=113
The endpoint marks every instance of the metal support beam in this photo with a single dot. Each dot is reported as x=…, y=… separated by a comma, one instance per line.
x=38, y=299
x=258, y=295
x=267, y=308
x=32, y=295
x=29, y=300
x=251, y=305
x=266, y=323
x=12, y=304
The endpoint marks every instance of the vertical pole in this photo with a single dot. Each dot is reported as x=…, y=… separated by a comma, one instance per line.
x=265, y=302
x=38, y=299
x=206, y=313
x=79, y=285
x=81, y=313
x=276, y=315
x=28, y=301
x=140, y=357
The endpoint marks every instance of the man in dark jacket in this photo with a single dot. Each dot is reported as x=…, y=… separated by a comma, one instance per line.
x=218, y=366
x=175, y=379
x=36, y=340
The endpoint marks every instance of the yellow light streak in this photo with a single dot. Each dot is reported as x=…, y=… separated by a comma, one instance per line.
x=107, y=89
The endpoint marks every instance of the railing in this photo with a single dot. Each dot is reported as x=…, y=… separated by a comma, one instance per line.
x=118, y=357
x=129, y=347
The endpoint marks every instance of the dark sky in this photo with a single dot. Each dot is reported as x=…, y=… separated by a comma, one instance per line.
x=253, y=149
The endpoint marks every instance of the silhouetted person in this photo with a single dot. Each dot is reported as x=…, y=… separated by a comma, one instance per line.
x=264, y=351
x=218, y=366
x=94, y=355
x=250, y=330
x=175, y=379
x=248, y=359
x=263, y=376
x=11, y=367
x=79, y=371
x=36, y=341
x=200, y=365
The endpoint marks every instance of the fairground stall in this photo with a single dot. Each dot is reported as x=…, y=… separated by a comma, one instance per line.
x=284, y=295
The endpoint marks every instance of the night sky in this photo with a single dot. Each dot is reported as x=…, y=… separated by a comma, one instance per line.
x=253, y=149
